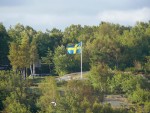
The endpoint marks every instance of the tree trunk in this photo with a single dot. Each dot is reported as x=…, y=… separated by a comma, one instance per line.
x=116, y=62
x=49, y=68
x=24, y=73
x=31, y=70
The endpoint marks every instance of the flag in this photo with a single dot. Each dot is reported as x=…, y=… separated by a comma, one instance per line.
x=73, y=49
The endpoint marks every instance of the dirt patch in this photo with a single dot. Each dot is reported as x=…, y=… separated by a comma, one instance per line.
x=116, y=101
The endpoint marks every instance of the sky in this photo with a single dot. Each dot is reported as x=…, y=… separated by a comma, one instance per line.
x=48, y=14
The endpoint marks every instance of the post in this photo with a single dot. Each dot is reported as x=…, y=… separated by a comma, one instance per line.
x=81, y=59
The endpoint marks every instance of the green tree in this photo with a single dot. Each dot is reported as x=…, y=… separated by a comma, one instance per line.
x=104, y=50
x=13, y=91
x=13, y=56
x=147, y=107
x=98, y=77
x=56, y=37
x=5, y=87
x=43, y=42
x=61, y=60
x=15, y=33
x=126, y=83
x=72, y=33
x=97, y=107
x=12, y=105
x=34, y=56
x=49, y=96
x=140, y=95
x=4, y=47
x=85, y=105
x=48, y=59
x=78, y=97
x=19, y=55
x=107, y=108
x=147, y=64
x=134, y=45
x=23, y=53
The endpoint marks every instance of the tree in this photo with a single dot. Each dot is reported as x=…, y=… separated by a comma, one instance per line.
x=19, y=55
x=78, y=97
x=61, y=60
x=72, y=33
x=107, y=108
x=85, y=105
x=23, y=53
x=15, y=33
x=13, y=56
x=126, y=83
x=147, y=107
x=4, y=47
x=13, y=92
x=34, y=56
x=147, y=64
x=43, y=42
x=134, y=45
x=98, y=77
x=115, y=83
x=12, y=105
x=49, y=95
x=48, y=59
x=56, y=37
x=97, y=107
x=5, y=87
x=140, y=95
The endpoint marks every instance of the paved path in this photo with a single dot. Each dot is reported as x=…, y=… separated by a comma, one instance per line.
x=71, y=76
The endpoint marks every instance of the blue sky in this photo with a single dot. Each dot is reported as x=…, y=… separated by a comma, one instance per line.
x=47, y=14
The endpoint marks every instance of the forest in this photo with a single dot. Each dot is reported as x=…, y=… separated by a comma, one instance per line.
x=116, y=57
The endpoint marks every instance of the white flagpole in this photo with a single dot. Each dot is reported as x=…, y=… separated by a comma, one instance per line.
x=81, y=59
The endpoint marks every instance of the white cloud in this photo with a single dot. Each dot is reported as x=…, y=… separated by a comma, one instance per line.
x=43, y=20
x=127, y=17
x=47, y=14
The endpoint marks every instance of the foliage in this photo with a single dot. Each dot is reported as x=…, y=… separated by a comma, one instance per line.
x=61, y=61
x=12, y=105
x=4, y=47
x=98, y=76
x=107, y=48
x=48, y=59
x=77, y=97
x=72, y=33
x=5, y=87
x=13, y=92
x=136, y=88
x=140, y=95
x=147, y=64
x=34, y=56
x=49, y=95
x=126, y=82
x=97, y=107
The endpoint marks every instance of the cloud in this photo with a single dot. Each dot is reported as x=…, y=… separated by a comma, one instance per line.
x=127, y=17
x=45, y=18
x=47, y=14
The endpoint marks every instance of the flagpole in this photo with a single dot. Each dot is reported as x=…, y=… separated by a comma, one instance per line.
x=81, y=59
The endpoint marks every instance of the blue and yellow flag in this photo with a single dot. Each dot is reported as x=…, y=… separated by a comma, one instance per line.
x=73, y=49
